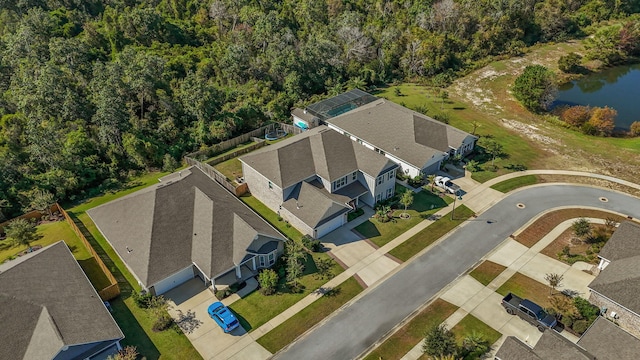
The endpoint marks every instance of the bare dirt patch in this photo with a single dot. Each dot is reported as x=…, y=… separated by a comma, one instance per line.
x=542, y=226
x=567, y=238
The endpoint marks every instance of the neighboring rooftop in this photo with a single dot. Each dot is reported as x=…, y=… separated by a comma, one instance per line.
x=340, y=104
x=512, y=348
x=319, y=151
x=551, y=346
x=46, y=303
x=190, y=219
x=624, y=243
x=607, y=341
x=401, y=132
x=620, y=282
x=314, y=205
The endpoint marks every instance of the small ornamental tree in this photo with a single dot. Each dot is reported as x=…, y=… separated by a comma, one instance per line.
x=432, y=180
x=581, y=228
x=535, y=88
x=603, y=120
x=127, y=353
x=439, y=341
x=406, y=199
x=268, y=280
x=21, y=232
x=554, y=280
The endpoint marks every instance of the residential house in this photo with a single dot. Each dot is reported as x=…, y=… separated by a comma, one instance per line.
x=615, y=289
x=50, y=310
x=187, y=226
x=314, y=179
x=317, y=113
x=418, y=143
x=602, y=341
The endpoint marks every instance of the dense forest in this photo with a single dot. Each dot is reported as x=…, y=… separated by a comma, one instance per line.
x=93, y=90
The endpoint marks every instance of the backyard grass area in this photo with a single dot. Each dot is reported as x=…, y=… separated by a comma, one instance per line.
x=486, y=272
x=271, y=217
x=527, y=288
x=512, y=184
x=547, y=222
x=245, y=144
x=231, y=168
x=430, y=234
x=403, y=340
x=424, y=204
x=471, y=325
x=49, y=233
x=256, y=309
x=288, y=331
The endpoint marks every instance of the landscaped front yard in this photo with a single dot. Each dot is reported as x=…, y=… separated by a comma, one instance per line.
x=256, y=309
x=288, y=331
x=424, y=204
x=403, y=340
x=527, y=288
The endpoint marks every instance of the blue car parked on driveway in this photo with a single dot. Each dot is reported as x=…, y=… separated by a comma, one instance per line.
x=223, y=316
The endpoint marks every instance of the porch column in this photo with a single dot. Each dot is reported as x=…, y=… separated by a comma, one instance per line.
x=238, y=272
x=254, y=263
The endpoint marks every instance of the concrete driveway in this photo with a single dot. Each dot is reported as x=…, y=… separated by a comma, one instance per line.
x=188, y=306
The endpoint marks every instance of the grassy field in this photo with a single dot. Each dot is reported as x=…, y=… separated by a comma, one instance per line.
x=256, y=309
x=231, y=168
x=526, y=288
x=403, y=340
x=424, y=204
x=515, y=183
x=271, y=217
x=298, y=324
x=486, y=272
x=430, y=234
x=48, y=234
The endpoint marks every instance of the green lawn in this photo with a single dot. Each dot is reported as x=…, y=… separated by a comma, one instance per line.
x=486, y=272
x=271, y=217
x=295, y=326
x=424, y=204
x=256, y=309
x=430, y=234
x=512, y=184
x=403, y=340
x=231, y=150
x=471, y=325
x=231, y=168
x=49, y=233
x=527, y=288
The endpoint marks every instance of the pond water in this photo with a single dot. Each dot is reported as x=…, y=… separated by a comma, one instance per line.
x=617, y=88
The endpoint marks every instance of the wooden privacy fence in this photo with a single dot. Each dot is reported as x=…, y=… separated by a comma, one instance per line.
x=217, y=176
x=113, y=290
x=35, y=214
x=259, y=143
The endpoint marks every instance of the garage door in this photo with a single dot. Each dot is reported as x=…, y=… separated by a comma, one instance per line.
x=328, y=227
x=174, y=280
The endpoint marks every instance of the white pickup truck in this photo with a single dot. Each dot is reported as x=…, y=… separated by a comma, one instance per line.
x=446, y=184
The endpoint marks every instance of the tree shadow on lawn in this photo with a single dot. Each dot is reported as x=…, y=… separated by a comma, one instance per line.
x=367, y=229
x=134, y=334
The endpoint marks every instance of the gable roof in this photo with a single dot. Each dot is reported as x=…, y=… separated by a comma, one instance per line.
x=319, y=151
x=607, y=341
x=624, y=243
x=163, y=229
x=47, y=302
x=551, y=346
x=314, y=205
x=401, y=132
x=620, y=282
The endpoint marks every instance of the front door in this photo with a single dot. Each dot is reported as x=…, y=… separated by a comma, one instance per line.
x=263, y=261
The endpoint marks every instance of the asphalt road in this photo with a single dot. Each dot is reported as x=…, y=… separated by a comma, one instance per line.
x=356, y=327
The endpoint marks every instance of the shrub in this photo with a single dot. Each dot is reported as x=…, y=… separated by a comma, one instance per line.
x=634, y=129
x=222, y=294
x=535, y=88
x=163, y=322
x=603, y=120
x=586, y=309
x=473, y=166
x=570, y=63
x=439, y=341
x=268, y=280
x=576, y=115
x=312, y=244
x=169, y=163
x=567, y=321
x=142, y=299
x=580, y=326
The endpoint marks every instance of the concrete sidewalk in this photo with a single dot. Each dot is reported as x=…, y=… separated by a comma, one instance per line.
x=485, y=304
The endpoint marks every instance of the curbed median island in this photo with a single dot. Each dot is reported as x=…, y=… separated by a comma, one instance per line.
x=297, y=325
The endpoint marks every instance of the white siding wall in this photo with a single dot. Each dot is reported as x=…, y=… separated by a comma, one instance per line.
x=328, y=227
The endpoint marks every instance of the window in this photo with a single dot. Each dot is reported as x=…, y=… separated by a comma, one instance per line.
x=389, y=193
x=340, y=183
x=390, y=175
x=263, y=262
x=354, y=176
x=380, y=179
x=270, y=185
x=378, y=197
x=272, y=258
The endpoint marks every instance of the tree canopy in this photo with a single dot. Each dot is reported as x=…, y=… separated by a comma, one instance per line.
x=91, y=91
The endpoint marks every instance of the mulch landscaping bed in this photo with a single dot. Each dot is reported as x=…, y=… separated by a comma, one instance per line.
x=563, y=240
x=541, y=227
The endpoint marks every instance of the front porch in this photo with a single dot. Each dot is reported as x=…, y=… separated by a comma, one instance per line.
x=231, y=277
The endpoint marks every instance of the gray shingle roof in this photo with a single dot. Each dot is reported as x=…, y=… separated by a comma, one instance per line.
x=401, y=132
x=319, y=151
x=620, y=282
x=624, y=243
x=551, y=346
x=191, y=219
x=306, y=116
x=315, y=206
x=607, y=341
x=47, y=302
